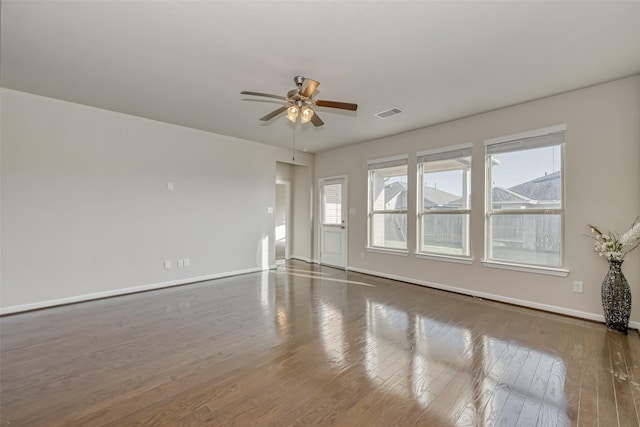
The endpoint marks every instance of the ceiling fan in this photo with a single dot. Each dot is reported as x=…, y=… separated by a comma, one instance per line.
x=300, y=102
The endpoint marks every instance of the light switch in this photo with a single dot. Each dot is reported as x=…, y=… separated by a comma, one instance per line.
x=169, y=185
x=269, y=209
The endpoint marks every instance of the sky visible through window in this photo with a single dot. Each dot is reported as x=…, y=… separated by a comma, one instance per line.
x=522, y=166
x=449, y=181
x=515, y=168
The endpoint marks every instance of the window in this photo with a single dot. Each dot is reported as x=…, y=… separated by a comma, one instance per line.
x=525, y=208
x=444, y=201
x=332, y=206
x=388, y=203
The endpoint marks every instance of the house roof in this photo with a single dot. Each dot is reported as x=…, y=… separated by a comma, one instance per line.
x=505, y=195
x=544, y=188
x=539, y=190
x=435, y=197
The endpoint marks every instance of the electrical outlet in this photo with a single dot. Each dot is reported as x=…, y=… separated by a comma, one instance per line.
x=180, y=263
x=578, y=287
x=167, y=264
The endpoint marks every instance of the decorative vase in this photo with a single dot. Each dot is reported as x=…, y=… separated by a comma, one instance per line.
x=616, y=298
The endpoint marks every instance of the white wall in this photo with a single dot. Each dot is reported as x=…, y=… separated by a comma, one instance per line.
x=86, y=209
x=284, y=171
x=602, y=187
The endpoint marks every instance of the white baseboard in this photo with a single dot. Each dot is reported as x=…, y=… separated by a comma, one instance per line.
x=493, y=297
x=99, y=295
x=117, y=292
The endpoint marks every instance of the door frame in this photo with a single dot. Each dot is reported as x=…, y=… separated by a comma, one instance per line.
x=287, y=216
x=345, y=208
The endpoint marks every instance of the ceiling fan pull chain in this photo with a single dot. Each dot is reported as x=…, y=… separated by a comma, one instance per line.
x=293, y=144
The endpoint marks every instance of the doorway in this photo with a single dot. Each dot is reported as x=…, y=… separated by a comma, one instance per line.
x=283, y=215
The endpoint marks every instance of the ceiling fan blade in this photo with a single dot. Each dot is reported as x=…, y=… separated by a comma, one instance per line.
x=308, y=87
x=317, y=121
x=336, y=104
x=274, y=113
x=268, y=95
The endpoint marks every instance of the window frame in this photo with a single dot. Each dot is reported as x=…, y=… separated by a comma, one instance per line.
x=372, y=166
x=517, y=142
x=423, y=158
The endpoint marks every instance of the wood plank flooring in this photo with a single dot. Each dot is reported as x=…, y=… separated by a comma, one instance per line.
x=314, y=346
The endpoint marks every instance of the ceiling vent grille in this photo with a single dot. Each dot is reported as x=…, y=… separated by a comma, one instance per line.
x=388, y=113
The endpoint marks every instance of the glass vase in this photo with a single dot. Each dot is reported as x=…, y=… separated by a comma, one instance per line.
x=616, y=298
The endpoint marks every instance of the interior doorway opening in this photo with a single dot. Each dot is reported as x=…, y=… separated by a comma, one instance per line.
x=283, y=219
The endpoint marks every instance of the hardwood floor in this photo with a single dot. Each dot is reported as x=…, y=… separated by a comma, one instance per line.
x=310, y=345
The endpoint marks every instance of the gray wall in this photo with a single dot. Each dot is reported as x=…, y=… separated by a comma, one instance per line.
x=86, y=209
x=602, y=187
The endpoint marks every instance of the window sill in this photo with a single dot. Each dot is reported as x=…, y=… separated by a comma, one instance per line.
x=446, y=258
x=388, y=251
x=550, y=271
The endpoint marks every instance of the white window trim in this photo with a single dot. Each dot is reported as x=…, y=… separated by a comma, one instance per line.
x=446, y=258
x=538, y=269
x=530, y=268
x=528, y=134
x=462, y=259
x=387, y=251
x=388, y=159
x=445, y=149
x=371, y=212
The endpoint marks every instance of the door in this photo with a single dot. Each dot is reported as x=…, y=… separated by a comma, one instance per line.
x=333, y=224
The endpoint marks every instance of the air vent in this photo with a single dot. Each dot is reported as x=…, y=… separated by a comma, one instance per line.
x=388, y=113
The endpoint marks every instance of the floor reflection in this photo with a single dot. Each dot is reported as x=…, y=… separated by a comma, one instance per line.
x=455, y=371
x=486, y=380
x=332, y=332
x=309, y=345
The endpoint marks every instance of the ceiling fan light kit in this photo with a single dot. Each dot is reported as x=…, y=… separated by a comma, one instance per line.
x=300, y=102
x=292, y=113
x=305, y=112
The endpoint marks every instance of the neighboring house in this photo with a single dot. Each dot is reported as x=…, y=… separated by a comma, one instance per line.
x=432, y=198
x=513, y=231
x=529, y=232
x=538, y=193
x=396, y=198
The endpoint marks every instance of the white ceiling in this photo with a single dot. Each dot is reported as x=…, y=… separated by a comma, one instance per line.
x=185, y=62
